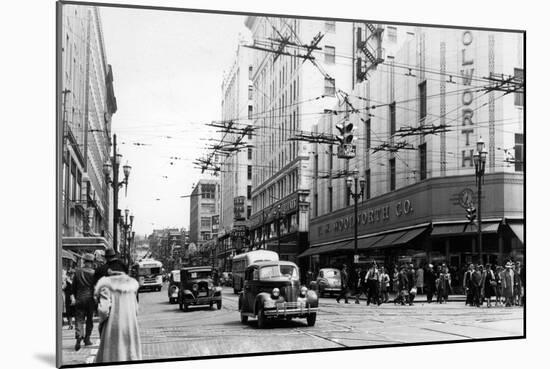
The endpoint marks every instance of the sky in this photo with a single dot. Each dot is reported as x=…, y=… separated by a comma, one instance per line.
x=168, y=69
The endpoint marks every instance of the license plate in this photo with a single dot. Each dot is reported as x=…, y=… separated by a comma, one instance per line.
x=203, y=294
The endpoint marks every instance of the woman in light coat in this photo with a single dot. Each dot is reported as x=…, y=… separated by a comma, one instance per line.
x=118, y=325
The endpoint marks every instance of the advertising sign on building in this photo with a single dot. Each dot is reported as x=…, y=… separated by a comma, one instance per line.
x=239, y=207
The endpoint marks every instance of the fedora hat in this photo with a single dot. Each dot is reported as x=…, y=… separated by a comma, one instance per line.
x=110, y=252
x=88, y=257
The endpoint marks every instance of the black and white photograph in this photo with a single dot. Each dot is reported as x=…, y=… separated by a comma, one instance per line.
x=234, y=183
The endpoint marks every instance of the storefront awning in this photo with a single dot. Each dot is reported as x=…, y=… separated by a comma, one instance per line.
x=458, y=228
x=399, y=237
x=316, y=250
x=517, y=228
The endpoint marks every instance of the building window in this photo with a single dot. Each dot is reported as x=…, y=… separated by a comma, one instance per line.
x=368, y=134
x=250, y=92
x=206, y=222
x=330, y=26
x=367, y=184
x=248, y=192
x=423, y=101
x=330, y=155
x=250, y=72
x=249, y=128
x=518, y=96
x=330, y=88
x=330, y=199
x=330, y=54
x=392, y=118
x=423, y=163
x=315, y=166
x=208, y=191
x=249, y=171
x=392, y=174
x=249, y=154
x=518, y=152
x=250, y=110
x=248, y=211
x=392, y=34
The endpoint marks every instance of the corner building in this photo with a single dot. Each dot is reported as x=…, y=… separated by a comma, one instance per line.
x=413, y=208
x=290, y=93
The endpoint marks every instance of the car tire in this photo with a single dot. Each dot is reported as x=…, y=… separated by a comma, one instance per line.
x=311, y=319
x=219, y=305
x=181, y=306
x=185, y=307
x=211, y=304
x=244, y=318
x=262, y=320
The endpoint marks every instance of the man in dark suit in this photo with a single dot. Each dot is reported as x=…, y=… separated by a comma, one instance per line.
x=83, y=298
x=345, y=284
x=429, y=280
x=468, y=286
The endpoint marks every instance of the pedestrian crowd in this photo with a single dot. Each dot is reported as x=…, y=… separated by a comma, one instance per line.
x=108, y=292
x=491, y=284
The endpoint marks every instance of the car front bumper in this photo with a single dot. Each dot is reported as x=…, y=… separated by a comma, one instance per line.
x=206, y=300
x=290, y=309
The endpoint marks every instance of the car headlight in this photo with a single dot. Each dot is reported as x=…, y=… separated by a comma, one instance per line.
x=195, y=287
x=275, y=292
x=303, y=291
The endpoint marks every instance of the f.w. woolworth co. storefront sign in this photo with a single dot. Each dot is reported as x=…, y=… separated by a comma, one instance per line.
x=371, y=216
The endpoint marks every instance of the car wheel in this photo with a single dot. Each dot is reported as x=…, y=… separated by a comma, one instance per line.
x=311, y=319
x=244, y=318
x=211, y=304
x=181, y=306
x=185, y=307
x=262, y=320
x=219, y=304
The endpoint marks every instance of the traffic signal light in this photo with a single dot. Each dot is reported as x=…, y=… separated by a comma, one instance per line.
x=346, y=140
x=471, y=214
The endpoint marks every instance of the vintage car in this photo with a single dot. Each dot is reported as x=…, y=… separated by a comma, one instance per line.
x=328, y=281
x=197, y=288
x=272, y=290
x=173, y=286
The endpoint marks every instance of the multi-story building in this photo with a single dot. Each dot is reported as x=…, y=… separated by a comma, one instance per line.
x=236, y=166
x=418, y=117
x=290, y=93
x=87, y=105
x=204, y=205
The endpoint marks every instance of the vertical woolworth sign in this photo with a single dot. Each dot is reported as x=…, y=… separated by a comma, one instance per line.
x=467, y=69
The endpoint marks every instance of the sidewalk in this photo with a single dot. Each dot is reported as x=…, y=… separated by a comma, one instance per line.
x=421, y=298
x=86, y=354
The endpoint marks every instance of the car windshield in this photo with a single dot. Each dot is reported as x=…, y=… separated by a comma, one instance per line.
x=330, y=273
x=278, y=271
x=148, y=271
x=199, y=274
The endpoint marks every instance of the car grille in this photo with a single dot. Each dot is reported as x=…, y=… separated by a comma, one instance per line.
x=290, y=294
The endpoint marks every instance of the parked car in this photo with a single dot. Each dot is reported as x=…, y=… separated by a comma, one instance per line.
x=173, y=286
x=197, y=288
x=272, y=290
x=328, y=281
x=226, y=279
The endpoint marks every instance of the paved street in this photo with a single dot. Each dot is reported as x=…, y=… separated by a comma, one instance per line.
x=168, y=332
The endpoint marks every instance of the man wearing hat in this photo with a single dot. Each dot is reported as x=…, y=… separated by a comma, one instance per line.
x=344, y=281
x=83, y=298
x=429, y=280
x=113, y=264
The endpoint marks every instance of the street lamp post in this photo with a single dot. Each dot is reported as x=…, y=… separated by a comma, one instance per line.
x=278, y=212
x=356, y=195
x=112, y=165
x=127, y=227
x=480, y=157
